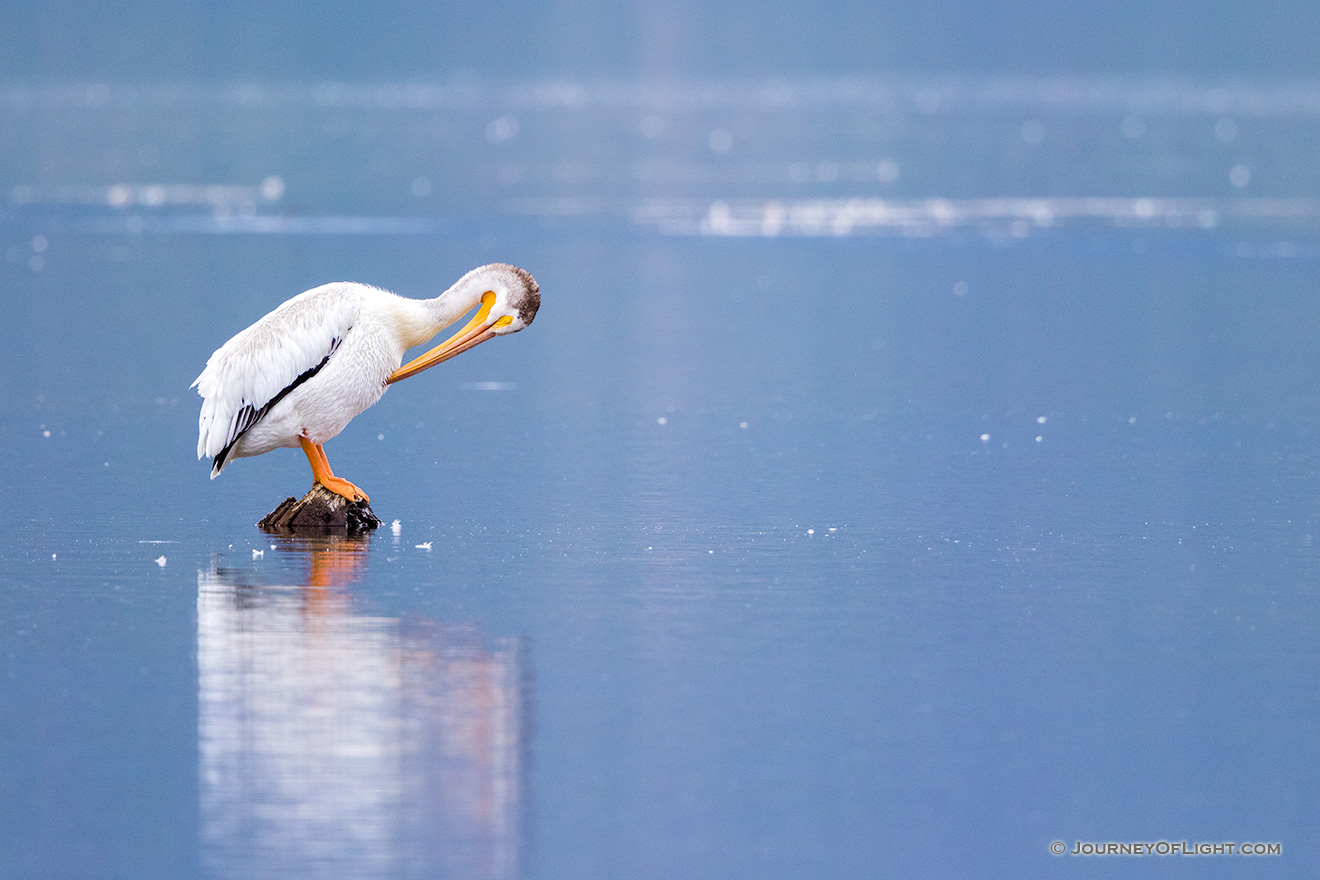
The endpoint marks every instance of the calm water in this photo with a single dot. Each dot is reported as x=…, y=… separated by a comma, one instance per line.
x=898, y=477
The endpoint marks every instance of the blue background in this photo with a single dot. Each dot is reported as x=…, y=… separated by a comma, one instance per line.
x=913, y=462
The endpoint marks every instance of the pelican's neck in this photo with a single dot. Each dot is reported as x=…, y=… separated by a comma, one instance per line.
x=427, y=317
x=457, y=301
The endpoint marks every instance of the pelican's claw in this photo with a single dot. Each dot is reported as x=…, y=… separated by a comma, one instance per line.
x=343, y=488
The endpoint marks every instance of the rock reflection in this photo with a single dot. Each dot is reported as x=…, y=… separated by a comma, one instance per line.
x=337, y=744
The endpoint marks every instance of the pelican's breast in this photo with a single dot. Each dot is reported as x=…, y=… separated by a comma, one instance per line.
x=352, y=381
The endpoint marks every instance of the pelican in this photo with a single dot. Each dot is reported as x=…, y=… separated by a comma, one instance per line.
x=296, y=377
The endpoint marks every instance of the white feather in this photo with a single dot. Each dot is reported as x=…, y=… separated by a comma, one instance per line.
x=261, y=361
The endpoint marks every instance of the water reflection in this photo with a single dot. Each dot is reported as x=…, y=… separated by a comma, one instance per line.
x=334, y=743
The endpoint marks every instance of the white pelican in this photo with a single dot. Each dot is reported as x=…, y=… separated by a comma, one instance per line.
x=300, y=374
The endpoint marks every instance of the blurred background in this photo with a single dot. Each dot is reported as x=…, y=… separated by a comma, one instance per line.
x=913, y=462
x=407, y=41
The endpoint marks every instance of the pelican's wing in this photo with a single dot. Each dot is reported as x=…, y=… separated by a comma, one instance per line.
x=252, y=372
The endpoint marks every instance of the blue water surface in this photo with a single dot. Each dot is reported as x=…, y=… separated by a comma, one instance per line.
x=824, y=524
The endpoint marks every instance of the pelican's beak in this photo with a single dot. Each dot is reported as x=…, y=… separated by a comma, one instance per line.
x=475, y=332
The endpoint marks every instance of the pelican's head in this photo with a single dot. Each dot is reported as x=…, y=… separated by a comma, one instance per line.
x=517, y=297
x=507, y=302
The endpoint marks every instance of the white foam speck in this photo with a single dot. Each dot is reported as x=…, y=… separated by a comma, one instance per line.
x=426, y=546
x=489, y=386
x=985, y=438
x=662, y=421
x=742, y=424
x=811, y=531
x=1039, y=438
x=257, y=554
x=1040, y=420
x=52, y=556
x=396, y=527
x=45, y=433
x=160, y=560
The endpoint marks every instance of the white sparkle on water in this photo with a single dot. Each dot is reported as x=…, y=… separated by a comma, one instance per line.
x=272, y=188
x=503, y=129
x=160, y=560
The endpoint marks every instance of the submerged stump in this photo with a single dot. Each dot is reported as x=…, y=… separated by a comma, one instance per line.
x=320, y=511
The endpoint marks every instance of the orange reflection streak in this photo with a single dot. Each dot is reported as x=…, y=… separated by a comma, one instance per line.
x=334, y=563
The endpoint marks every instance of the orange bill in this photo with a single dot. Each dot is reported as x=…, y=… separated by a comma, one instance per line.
x=475, y=332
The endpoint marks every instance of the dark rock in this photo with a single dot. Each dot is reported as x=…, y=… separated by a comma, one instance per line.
x=320, y=511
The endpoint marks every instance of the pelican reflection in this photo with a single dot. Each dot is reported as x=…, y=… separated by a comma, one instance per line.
x=338, y=744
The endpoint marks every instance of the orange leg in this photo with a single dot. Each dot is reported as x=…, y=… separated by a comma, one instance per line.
x=322, y=474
